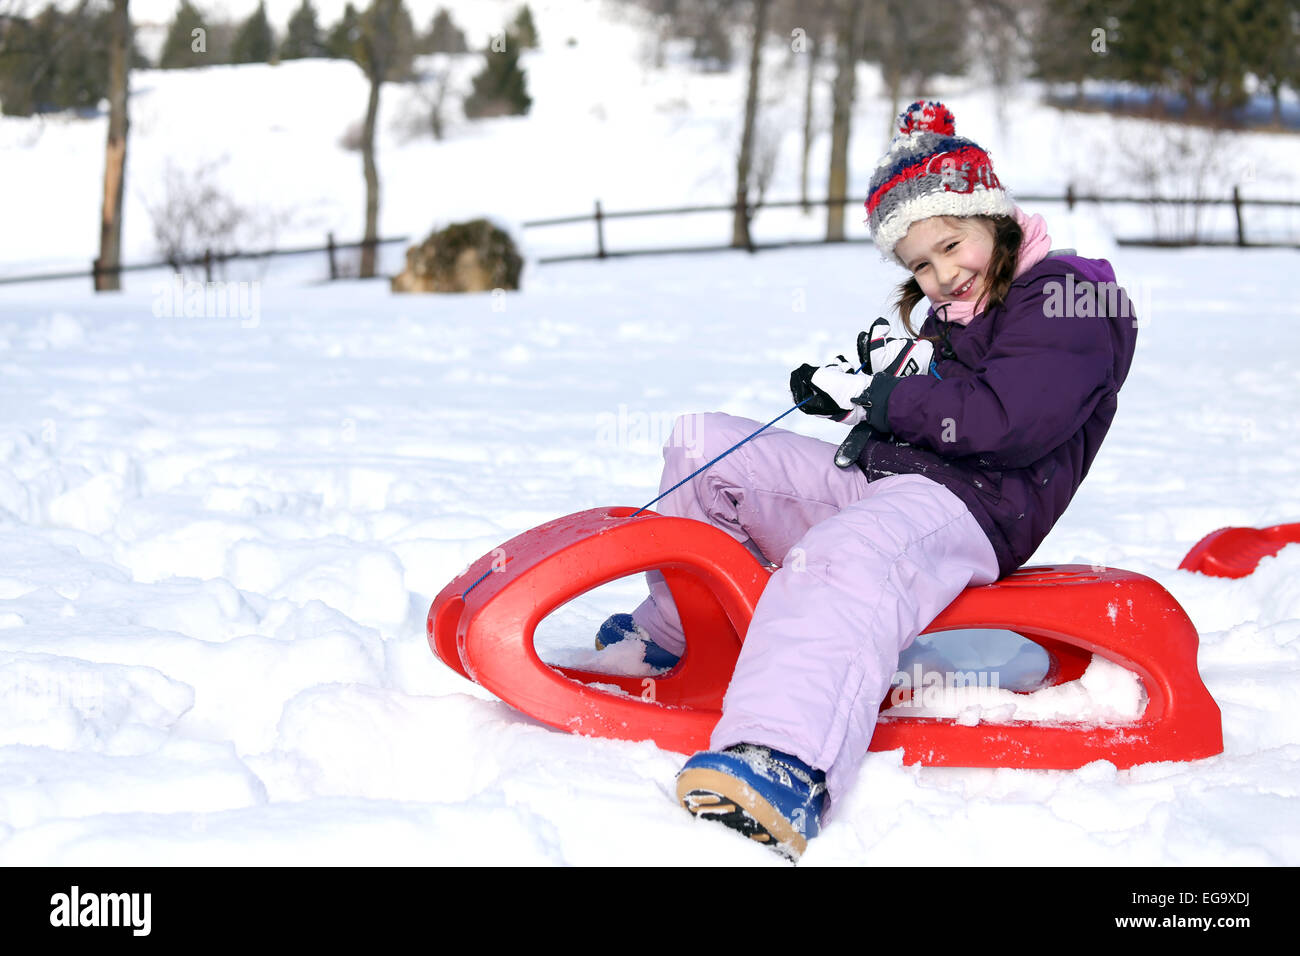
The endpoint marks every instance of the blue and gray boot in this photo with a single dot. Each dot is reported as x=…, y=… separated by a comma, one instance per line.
x=621, y=627
x=771, y=797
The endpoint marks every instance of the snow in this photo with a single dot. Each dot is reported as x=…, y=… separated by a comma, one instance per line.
x=219, y=534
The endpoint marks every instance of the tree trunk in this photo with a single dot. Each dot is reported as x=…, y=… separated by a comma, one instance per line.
x=368, y=247
x=846, y=63
x=894, y=83
x=895, y=64
x=740, y=219
x=110, y=228
x=814, y=54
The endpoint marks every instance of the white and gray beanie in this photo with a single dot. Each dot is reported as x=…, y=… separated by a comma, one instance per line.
x=930, y=171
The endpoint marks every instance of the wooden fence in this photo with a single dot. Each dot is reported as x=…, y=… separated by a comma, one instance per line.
x=1070, y=198
x=210, y=260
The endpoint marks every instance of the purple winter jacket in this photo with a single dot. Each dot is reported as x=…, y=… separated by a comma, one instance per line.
x=1025, y=396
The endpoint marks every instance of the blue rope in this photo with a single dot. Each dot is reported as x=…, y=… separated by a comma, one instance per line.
x=476, y=583
x=718, y=459
x=691, y=475
x=680, y=483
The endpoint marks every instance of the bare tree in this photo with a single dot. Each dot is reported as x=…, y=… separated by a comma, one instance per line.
x=45, y=71
x=426, y=110
x=433, y=94
x=383, y=49
x=107, y=278
x=740, y=223
x=913, y=40
x=371, y=171
x=807, y=24
x=1001, y=38
x=847, y=49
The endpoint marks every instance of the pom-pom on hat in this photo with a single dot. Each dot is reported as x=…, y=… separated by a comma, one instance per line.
x=930, y=171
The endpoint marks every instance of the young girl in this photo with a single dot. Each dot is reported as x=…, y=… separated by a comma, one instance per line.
x=968, y=444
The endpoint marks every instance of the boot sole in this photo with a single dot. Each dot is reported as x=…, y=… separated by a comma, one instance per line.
x=714, y=795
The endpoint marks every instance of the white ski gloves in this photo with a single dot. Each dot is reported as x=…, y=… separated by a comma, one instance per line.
x=894, y=355
x=836, y=390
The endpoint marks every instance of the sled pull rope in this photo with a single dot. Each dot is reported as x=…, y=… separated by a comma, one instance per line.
x=716, y=460
x=729, y=451
x=680, y=483
x=692, y=474
x=476, y=583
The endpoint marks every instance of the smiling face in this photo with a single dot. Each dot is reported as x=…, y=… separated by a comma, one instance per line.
x=949, y=257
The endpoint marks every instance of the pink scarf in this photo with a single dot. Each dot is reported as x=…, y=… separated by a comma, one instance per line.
x=1033, y=248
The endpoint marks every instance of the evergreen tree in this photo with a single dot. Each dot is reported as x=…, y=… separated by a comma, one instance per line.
x=1074, y=40
x=387, y=41
x=1142, y=44
x=56, y=60
x=344, y=35
x=1199, y=50
x=708, y=26
x=303, y=37
x=1274, y=48
x=444, y=36
x=500, y=89
x=254, y=43
x=79, y=79
x=26, y=67
x=523, y=29
x=187, y=40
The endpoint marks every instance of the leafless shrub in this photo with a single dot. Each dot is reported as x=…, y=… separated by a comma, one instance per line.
x=1172, y=163
x=425, y=111
x=192, y=215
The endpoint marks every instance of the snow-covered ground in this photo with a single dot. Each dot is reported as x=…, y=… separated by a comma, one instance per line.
x=221, y=533
x=220, y=539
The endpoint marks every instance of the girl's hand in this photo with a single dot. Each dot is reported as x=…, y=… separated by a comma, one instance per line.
x=828, y=391
x=893, y=355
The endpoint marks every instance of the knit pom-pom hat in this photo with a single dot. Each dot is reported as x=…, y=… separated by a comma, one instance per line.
x=930, y=171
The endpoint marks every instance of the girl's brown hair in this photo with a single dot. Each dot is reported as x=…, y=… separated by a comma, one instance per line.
x=1007, y=235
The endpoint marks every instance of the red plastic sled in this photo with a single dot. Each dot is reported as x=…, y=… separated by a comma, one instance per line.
x=1236, y=552
x=482, y=625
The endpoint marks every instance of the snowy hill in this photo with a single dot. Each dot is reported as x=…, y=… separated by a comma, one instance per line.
x=221, y=533
x=604, y=125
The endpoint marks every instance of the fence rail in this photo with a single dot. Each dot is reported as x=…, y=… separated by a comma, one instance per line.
x=209, y=260
x=1070, y=198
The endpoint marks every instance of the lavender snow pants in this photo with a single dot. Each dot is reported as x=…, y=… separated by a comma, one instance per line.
x=865, y=567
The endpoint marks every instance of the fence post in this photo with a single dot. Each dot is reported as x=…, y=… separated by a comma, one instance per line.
x=329, y=249
x=1069, y=196
x=207, y=265
x=1236, y=205
x=600, y=232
